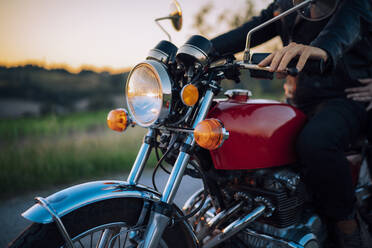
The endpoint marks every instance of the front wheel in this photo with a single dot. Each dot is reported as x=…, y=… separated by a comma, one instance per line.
x=110, y=223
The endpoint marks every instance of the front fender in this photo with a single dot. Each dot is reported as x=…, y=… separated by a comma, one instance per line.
x=75, y=197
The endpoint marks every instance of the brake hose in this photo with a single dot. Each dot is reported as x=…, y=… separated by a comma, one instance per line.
x=160, y=161
x=204, y=179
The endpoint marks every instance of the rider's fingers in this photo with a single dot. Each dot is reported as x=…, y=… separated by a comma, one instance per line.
x=365, y=80
x=288, y=56
x=357, y=89
x=359, y=94
x=267, y=60
x=362, y=98
x=278, y=57
x=369, y=107
x=290, y=52
x=303, y=59
x=275, y=62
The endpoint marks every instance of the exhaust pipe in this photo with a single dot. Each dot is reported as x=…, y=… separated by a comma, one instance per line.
x=235, y=227
x=218, y=219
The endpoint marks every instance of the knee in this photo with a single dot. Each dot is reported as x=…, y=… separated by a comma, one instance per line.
x=313, y=146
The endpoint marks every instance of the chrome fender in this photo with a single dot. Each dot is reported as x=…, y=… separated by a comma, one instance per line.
x=75, y=197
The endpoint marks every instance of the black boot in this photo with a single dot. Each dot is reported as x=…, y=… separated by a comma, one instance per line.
x=359, y=238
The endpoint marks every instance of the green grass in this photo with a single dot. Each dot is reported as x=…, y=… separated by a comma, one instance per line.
x=41, y=152
x=57, y=150
x=14, y=129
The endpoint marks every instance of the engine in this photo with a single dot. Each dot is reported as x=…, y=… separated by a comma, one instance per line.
x=282, y=191
x=285, y=192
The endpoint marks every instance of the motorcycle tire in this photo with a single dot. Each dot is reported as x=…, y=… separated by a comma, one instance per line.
x=108, y=212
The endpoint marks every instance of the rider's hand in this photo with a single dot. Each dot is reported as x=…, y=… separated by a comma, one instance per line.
x=279, y=60
x=363, y=93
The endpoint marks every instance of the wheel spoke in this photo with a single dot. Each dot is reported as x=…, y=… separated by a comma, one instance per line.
x=105, y=238
x=82, y=246
x=126, y=237
x=91, y=240
x=109, y=236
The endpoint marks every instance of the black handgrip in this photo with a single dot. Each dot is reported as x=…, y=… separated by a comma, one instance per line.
x=256, y=59
x=292, y=71
x=313, y=66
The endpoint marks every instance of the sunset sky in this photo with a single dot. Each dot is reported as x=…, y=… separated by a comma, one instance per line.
x=110, y=33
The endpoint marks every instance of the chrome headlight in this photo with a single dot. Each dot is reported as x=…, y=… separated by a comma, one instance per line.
x=148, y=92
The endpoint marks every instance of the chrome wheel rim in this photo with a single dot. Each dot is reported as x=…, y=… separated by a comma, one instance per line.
x=112, y=235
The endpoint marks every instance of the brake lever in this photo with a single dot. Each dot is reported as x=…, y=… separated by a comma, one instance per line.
x=314, y=66
x=292, y=71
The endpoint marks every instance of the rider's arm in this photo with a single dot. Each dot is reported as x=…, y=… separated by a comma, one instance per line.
x=341, y=33
x=234, y=41
x=344, y=29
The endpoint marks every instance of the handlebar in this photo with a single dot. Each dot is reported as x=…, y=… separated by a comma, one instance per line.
x=313, y=66
x=290, y=70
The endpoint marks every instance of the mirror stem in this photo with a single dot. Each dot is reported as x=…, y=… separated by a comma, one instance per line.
x=161, y=27
x=247, y=56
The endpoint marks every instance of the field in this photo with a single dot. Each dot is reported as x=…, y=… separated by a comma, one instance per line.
x=51, y=150
x=55, y=149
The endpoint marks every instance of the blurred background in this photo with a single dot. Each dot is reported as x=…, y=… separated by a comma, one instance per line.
x=63, y=66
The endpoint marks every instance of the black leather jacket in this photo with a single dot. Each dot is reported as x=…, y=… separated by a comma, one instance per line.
x=346, y=36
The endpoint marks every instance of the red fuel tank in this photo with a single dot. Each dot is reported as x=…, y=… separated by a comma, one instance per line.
x=262, y=134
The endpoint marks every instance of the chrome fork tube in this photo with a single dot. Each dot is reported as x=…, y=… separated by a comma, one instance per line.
x=158, y=222
x=183, y=157
x=175, y=178
x=141, y=159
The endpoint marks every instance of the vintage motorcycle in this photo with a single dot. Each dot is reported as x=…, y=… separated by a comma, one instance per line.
x=242, y=150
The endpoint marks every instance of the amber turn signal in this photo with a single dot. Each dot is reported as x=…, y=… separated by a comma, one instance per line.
x=190, y=95
x=210, y=134
x=118, y=120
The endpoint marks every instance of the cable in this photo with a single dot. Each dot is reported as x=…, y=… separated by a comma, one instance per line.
x=204, y=179
x=200, y=72
x=157, y=155
x=157, y=167
x=158, y=158
x=161, y=160
x=189, y=110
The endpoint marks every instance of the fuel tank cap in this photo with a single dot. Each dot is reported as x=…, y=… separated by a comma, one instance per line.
x=238, y=94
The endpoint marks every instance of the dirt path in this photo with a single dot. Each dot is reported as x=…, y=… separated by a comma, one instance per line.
x=12, y=223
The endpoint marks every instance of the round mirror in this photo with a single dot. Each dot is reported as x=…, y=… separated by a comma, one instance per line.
x=176, y=15
x=317, y=10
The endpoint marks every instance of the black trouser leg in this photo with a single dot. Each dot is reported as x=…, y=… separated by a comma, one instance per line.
x=369, y=137
x=321, y=147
